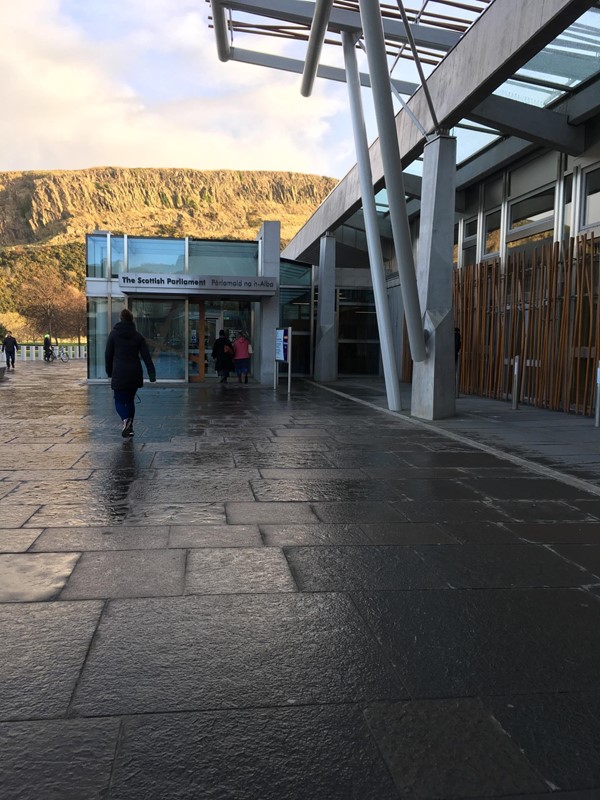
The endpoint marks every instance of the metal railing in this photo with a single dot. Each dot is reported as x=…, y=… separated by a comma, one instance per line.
x=35, y=352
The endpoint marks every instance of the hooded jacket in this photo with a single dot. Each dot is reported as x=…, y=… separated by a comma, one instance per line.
x=124, y=348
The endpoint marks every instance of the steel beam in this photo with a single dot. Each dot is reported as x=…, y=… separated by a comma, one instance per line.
x=382, y=309
x=323, y=71
x=370, y=14
x=540, y=125
x=220, y=24
x=318, y=29
x=300, y=12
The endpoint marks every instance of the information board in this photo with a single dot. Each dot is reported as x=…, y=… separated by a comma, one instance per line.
x=282, y=344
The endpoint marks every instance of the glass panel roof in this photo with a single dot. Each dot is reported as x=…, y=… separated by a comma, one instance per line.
x=572, y=58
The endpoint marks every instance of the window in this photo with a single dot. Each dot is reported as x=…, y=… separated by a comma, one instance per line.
x=117, y=255
x=223, y=258
x=469, y=245
x=97, y=249
x=492, y=232
x=568, y=205
x=293, y=274
x=164, y=256
x=535, y=209
x=591, y=209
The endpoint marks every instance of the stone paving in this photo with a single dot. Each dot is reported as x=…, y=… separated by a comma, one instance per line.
x=303, y=598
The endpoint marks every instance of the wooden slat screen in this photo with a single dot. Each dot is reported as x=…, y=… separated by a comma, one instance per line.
x=544, y=307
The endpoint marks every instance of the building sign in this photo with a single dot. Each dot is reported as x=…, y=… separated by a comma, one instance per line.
x=238, y=285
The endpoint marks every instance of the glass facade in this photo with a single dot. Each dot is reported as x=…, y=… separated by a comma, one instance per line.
x=96, y=256
x=297, y=308
x=162, y=256
x=163, y=325
x=222, y=258
x=358, y=338
x=98, y=328
x=117, y=255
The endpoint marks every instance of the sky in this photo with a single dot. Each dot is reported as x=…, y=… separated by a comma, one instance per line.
x=137, y=83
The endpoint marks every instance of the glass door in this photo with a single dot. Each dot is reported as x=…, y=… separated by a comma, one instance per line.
x=195, y=328
x=212, y=326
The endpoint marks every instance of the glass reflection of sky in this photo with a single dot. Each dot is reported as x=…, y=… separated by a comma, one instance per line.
x=572, y=58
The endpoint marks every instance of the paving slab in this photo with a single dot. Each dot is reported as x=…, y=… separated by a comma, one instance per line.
x=26, y=577
x=232, y=651
x=309, y=753
x=545, y=510
x=587, y=556
x=15, y=516
x=126, y=573
x=256, y=513
x=567, y=754
x=107, y=537
x=468, y=643
x=237, y=571
x=341, y=569
x=435, y=732
x=479, y=566
x=321, y=534
x=43, y=646
x=403, y=533
x=18, y=540
x=58, y=759
x=175, y=513
x=555, y=532
x=357, y=512
x=196, y=536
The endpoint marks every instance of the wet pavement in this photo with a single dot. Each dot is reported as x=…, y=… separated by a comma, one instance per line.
x=265, y=597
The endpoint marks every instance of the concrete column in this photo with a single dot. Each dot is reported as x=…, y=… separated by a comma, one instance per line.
x=433, y=387
x=326, y=362
x=267, y=316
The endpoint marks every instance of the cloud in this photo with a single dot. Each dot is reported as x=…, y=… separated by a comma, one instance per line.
x=138, y=83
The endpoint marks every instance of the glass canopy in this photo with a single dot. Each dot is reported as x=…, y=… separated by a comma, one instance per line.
x=567, y=62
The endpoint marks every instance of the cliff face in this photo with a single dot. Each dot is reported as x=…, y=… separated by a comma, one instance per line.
x=61, y=207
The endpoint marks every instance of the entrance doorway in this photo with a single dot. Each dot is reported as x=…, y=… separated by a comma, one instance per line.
x=206, y=319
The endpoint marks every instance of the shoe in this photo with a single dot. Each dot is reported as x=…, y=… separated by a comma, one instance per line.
x=127, y=428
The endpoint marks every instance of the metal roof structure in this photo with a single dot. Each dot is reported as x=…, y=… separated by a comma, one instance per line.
x=487, y=69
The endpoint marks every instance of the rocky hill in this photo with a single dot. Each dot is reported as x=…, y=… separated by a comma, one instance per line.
x=61, y=207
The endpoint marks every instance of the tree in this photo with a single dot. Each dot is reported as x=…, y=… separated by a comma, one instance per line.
x=53, y=307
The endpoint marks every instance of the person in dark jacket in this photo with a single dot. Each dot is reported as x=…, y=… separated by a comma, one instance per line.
x=9, y=347
x=222, y=352
x=124, y=348
x=47, y=347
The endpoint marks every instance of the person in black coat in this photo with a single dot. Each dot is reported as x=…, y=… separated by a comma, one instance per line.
x=9, y=347
x=222, y=352
x=124, y=348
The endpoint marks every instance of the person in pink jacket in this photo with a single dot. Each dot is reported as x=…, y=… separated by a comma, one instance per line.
x=242, y=350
